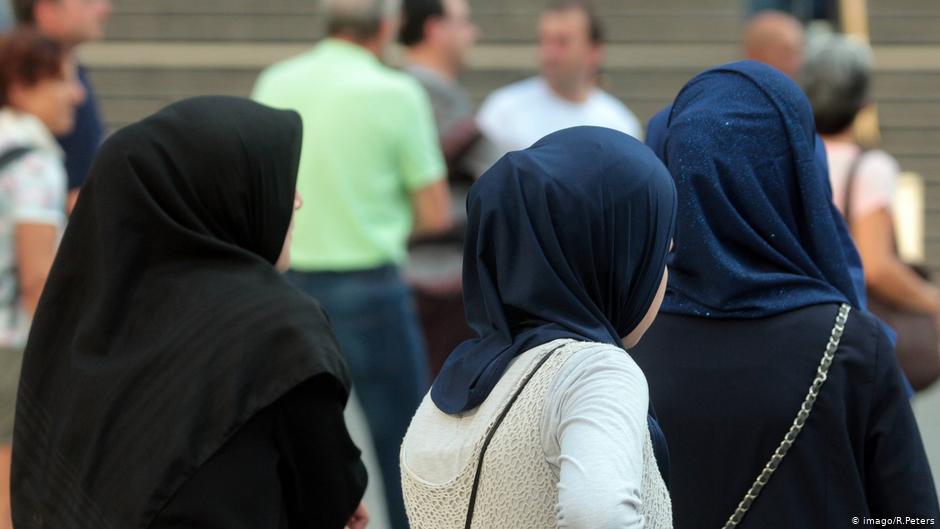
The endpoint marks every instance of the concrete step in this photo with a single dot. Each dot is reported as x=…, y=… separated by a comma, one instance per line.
x=252, y=7
x=496, y=27
x=909, y=113
x=927, y=165
x=878, y=8
x=911, y=141
x=921, y=28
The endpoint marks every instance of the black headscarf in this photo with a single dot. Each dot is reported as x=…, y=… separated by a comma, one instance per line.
x=163, y=326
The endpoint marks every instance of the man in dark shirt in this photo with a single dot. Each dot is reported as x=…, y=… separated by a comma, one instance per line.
x=73, y=22
x=438, y=35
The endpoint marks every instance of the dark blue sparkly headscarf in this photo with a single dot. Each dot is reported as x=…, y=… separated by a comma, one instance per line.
x=757, y=234
x=566, y=239
x=656, y=140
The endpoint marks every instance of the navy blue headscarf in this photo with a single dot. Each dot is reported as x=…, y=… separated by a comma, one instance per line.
x=757, y=233
x=566, y=239
x=656, y=140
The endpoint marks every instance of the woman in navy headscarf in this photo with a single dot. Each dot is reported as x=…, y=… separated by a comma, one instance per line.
x=760, y=305
x=543, y=421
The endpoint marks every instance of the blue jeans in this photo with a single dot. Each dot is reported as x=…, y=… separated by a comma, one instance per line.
x=374, y=319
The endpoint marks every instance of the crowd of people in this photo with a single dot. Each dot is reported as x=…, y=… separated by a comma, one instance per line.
x=548, y=316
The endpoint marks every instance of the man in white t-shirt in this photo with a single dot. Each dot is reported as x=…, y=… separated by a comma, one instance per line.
x=564, y=95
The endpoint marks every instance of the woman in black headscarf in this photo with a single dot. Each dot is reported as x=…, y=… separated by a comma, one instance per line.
x=172, y=377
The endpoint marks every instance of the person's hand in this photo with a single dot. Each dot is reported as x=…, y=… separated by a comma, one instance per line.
x=359, y=519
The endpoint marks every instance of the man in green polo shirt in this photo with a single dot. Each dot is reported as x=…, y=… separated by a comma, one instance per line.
x=371, y=175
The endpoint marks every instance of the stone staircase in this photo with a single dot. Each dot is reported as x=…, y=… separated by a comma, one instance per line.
x=906, y=37
x=159, y=51
x=162, y=50
x=147, y=60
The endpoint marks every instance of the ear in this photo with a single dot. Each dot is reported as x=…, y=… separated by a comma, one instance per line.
x=388, y=29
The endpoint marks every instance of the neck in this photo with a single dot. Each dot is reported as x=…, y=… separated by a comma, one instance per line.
x=433, y=60
x=54, y=33
x=372, y=45
x=846, y=136
x=69, y=46
x=574, y=93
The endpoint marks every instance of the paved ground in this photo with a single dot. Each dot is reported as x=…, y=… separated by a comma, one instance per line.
x=927, y=409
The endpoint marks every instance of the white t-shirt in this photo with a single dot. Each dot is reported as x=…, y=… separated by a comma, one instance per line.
x=875, y=178
x=32, y=191
x=516, y=116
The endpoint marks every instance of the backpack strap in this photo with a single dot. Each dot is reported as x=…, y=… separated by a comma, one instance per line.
x=850, y=186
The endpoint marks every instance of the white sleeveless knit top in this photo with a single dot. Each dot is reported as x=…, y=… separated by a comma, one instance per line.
x=519, y=482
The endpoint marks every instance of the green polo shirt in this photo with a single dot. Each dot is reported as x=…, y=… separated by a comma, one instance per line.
x=369, y=142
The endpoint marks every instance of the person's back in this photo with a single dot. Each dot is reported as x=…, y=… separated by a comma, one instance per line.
x=204, y=390
x=519, y=475
x=859, y=446
x=741, y=351
x=355, y=174
x=544, y=419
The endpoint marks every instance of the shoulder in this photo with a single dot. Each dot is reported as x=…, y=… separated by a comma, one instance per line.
x=605, y=99
x=288, y=68
x=38, y=167
x=862, y=342
x=866, y=332
x=614, y=105
x=600, y=364
x=878, y=162
x=512, y=93
x=399, y=84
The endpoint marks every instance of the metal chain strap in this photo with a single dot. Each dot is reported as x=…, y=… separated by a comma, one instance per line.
x=822, y=373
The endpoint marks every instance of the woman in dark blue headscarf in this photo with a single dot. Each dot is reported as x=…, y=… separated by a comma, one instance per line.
x=756, y=280
x=656, y=140
x=564, y=265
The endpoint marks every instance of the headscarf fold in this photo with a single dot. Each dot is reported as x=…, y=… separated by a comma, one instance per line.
x=163, y=326
x=757, y=233
x=566, y=239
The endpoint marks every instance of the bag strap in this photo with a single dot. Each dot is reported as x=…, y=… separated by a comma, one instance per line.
x=492, y=432
x=850, y=186
x=849, y=191
x=11, y=155
x=822, y=373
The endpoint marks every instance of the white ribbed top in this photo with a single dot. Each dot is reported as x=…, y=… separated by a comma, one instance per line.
x=573, y=452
